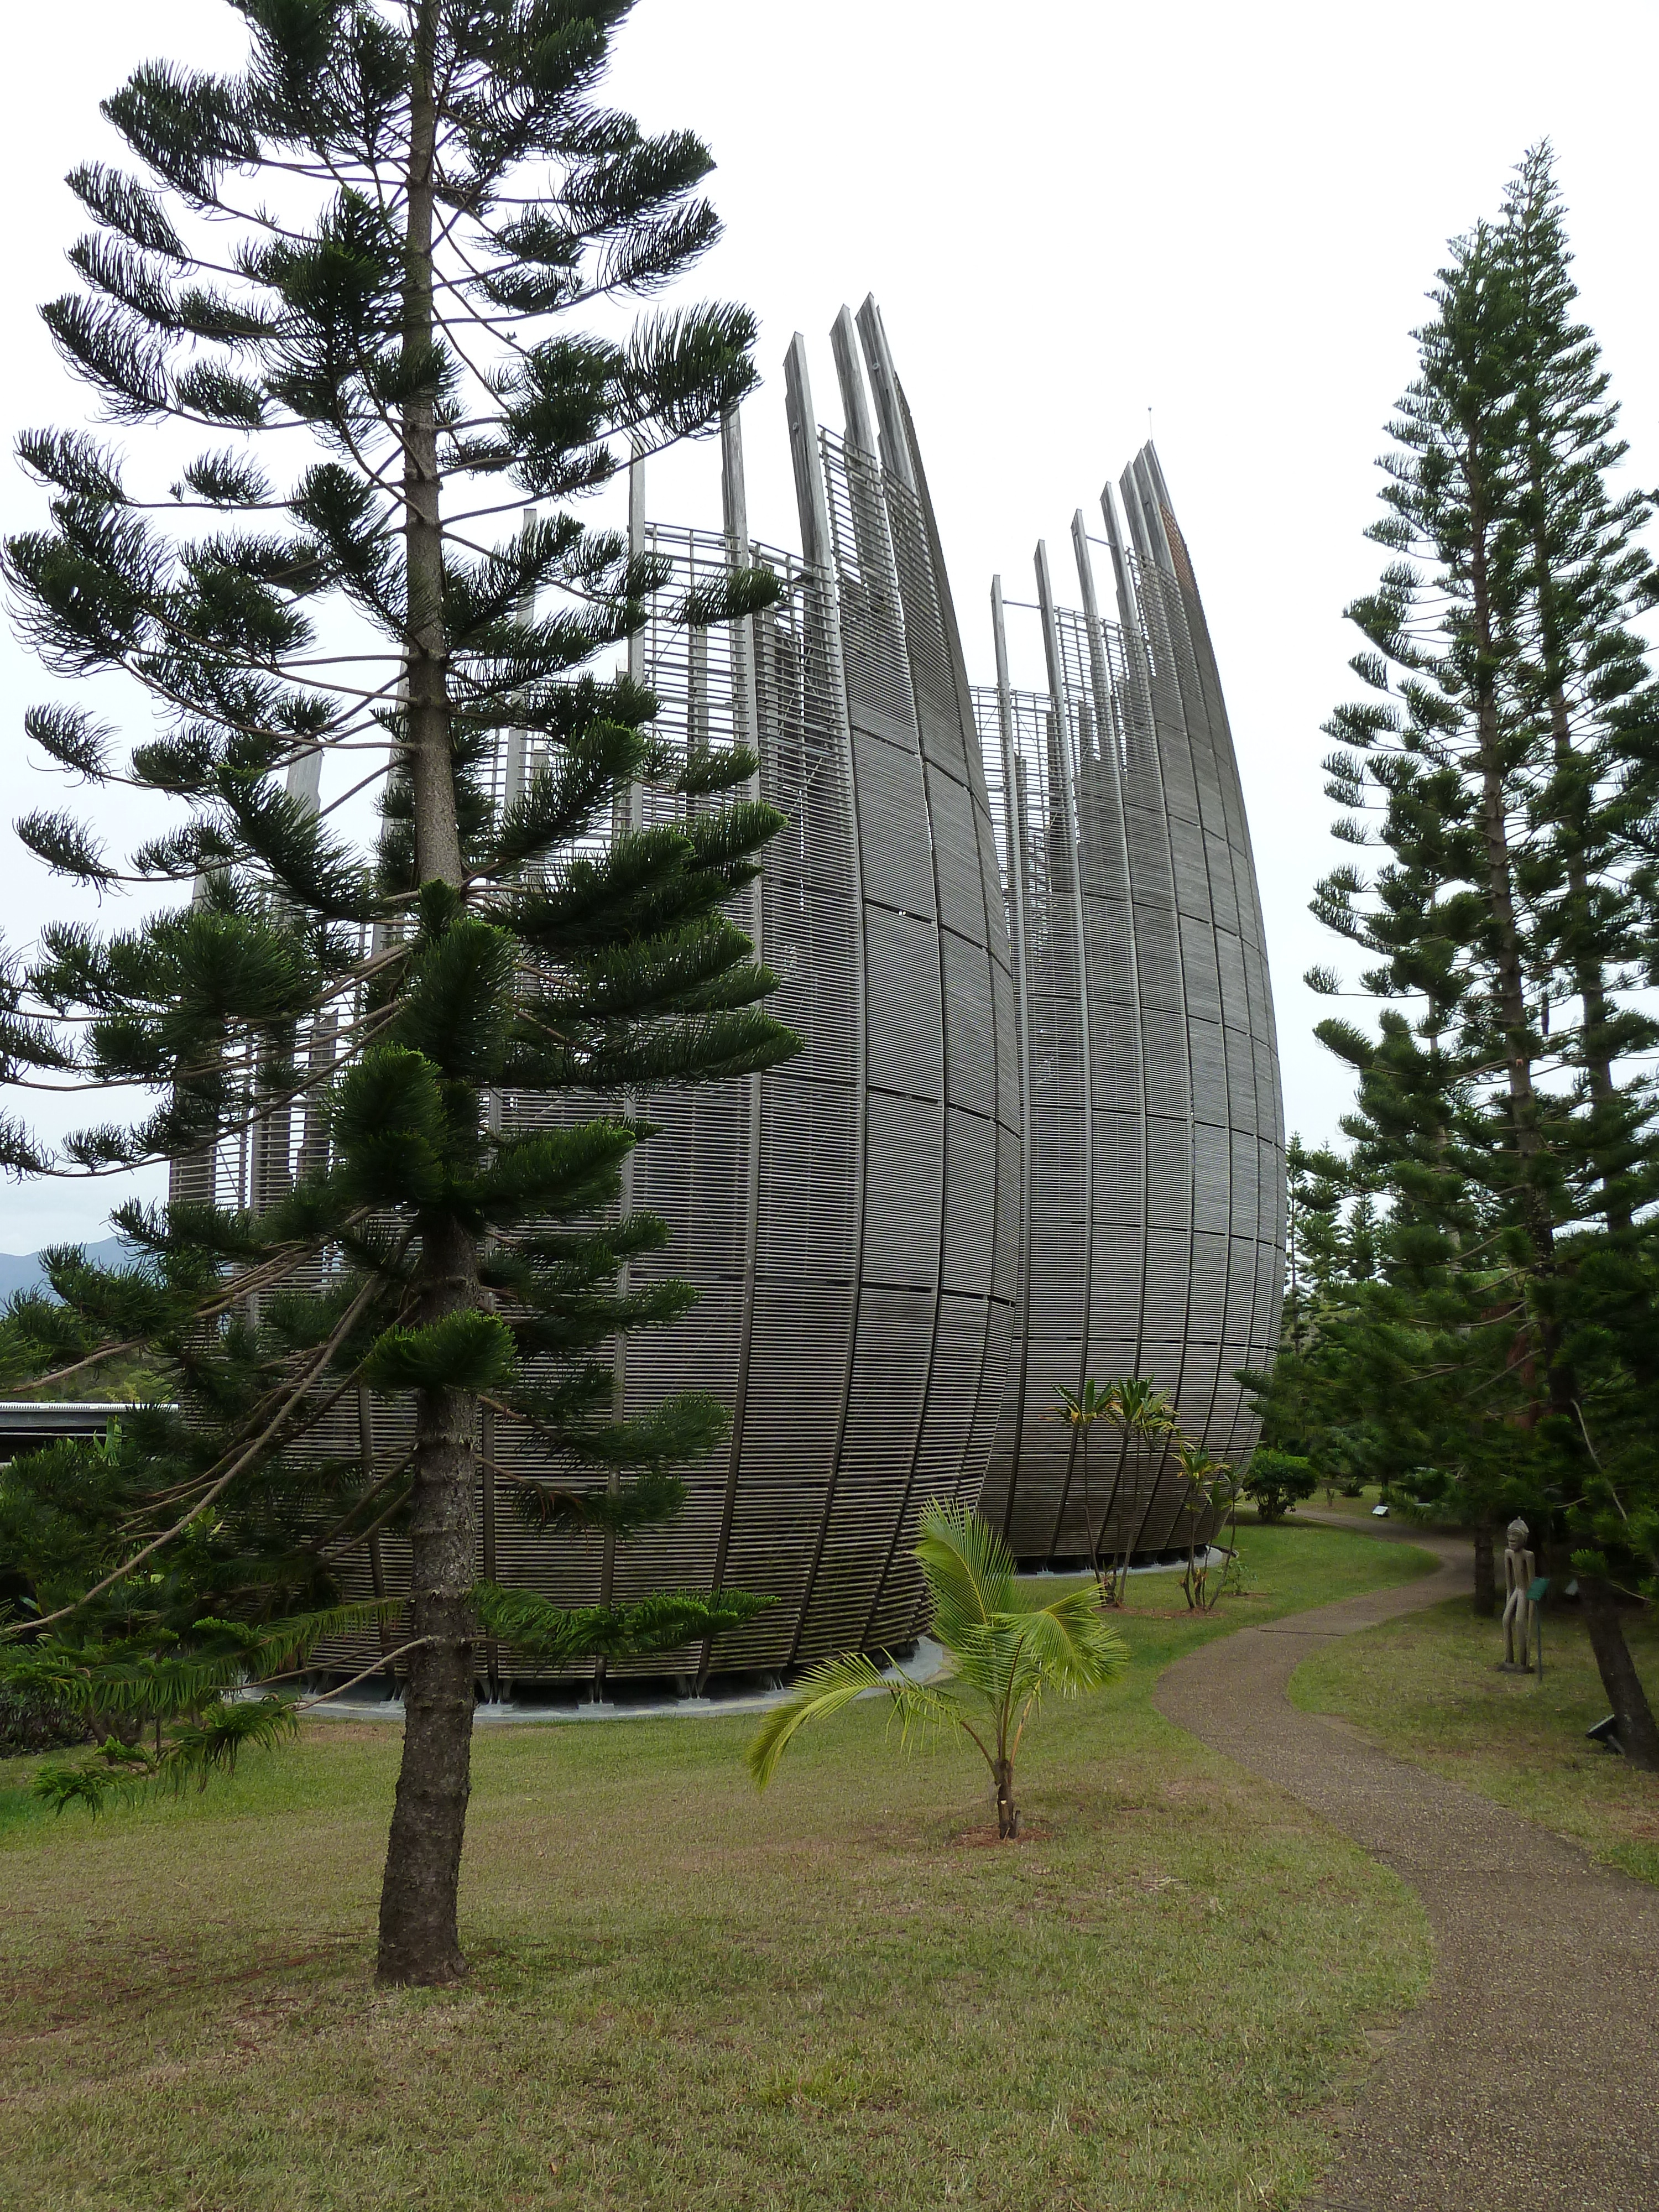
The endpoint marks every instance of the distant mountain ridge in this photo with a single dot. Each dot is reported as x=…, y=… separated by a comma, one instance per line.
x=21, y=1271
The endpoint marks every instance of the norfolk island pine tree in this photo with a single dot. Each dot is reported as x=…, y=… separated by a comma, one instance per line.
x=1510, y=755
x=362, y=265
x=1587, y=676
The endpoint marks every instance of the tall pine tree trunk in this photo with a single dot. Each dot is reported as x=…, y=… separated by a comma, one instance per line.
x=419, y=1937
x=1509, y=973
x=1588, y=980
x=1638, y=1734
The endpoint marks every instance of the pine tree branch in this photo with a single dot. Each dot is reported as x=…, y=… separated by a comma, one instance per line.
x=328, y=1550
x=381, y=1665
x=244, y=1460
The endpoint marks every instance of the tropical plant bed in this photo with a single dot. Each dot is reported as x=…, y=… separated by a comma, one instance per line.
x=686, y=1996
x=1428, y=1688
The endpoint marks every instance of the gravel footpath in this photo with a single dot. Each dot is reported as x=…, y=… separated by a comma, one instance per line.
x=1528, y=2080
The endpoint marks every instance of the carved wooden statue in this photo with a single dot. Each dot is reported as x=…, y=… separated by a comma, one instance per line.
x=1519, y=1570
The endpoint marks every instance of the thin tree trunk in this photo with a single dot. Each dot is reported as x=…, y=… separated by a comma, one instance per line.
x=1639, y=1733
x=1484, y=1603
x=1107, y=1576
x=420, y=1939
x=1089, y=1506
x=1190, y=1582
x=1232, y=1535
x=431, y=764
x=1146, y=1511
x=1007, y=1812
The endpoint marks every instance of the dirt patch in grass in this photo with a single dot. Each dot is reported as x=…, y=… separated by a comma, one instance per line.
x=688, y=1998
x=1428, y=1688
x=1030, y=1832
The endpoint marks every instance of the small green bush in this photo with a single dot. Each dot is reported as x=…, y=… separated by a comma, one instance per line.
x=30, y=1721
x=1277, y=1480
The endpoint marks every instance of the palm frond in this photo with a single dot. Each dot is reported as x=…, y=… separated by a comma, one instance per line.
x=969, y=1567
x=1068, y=1643
x=1082, y=1409
x=1006, y=1652
x=1140, y=1409
x=983, y=1651
x=833, y=1683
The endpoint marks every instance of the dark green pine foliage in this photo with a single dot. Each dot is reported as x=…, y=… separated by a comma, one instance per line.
x=1313, y=1234
x=363, y=268
x=1330, y=1241
x=1582, y=681
x=1498, y=1359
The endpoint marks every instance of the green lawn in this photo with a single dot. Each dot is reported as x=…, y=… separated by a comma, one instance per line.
x=1352, y=1509
x=1428, y=1688
x=686, y=1997
x=1358, y=1509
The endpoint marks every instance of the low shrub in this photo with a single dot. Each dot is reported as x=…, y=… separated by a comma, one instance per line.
x=1277, y=1480
x=30, y=1721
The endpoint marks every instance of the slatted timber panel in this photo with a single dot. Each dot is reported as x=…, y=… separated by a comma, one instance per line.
x=931, y=1328
x=849, y=1220
x=1123, y=832
x=1166, y=592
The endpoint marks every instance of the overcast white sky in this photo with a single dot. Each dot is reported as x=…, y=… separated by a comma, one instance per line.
x=1071, y=213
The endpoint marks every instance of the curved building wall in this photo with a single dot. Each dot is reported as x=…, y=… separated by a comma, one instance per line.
x=1034, y=1131
x=850, y=1219
x=1152, y=1223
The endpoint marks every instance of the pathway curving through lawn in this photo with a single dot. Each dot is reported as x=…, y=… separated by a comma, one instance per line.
x=1528, y=2080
